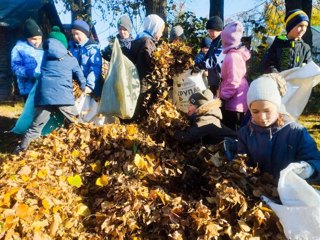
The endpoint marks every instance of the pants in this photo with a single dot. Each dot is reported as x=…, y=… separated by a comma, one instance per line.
x=232, y=119
x=41, y=117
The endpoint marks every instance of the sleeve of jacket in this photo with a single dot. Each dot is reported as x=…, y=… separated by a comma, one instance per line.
x=199, y=60
x=232, y=77
x=18, y=65
x=269, y=63
x=77, y=73
x=191, y=135
x=308, y=54
x=307, y=151
x=95, y=69
x=106, y=53
x=149, y=49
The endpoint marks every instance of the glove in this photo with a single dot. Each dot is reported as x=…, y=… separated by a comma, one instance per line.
x=195, y=69
x=302, y=169
x=87, y=90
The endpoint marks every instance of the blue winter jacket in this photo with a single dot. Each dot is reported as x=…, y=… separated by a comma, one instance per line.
x=274, y=148
x=90, y=61
x=58, y=69
x=25, y=64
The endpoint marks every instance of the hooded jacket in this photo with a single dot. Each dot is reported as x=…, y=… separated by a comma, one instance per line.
x=25, y=64
x=275, y=147
x=206, y=126
x=57, y=71
x=234, y=85
x=285, y=54
x=90, y=61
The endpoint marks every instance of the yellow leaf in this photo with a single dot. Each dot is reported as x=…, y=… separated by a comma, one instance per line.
x=102, y=181
x=96, y=167
x=63, y=159
x=83, y=210
x=75, y=181
x=46, y=204
x=22, y=210
x=55, y=225
x=75, y=153
x=42, y=174
x=25, y=178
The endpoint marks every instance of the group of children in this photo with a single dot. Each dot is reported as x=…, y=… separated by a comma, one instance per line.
x=271, y=138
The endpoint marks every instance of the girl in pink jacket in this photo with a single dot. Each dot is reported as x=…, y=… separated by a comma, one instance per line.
x=234, y=85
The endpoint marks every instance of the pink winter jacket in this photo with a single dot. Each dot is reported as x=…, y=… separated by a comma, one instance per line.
x=234, y=85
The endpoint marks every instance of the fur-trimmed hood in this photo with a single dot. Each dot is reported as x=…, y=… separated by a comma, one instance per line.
x=209, y=112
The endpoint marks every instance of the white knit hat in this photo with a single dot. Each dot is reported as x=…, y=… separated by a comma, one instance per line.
x=268, y=87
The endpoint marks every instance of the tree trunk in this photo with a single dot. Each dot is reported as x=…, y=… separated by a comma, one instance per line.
x=306, y=6
x=217, y=8
x=158, y=7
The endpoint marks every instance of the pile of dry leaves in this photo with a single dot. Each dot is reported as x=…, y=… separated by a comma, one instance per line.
x=132, y=182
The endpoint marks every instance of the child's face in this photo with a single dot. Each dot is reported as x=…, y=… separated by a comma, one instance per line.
x=298, y=31
x=79, y=36
x=213, y=34
x=204, y=50
x=264, y=113
x=124, y=34
x=35, y=41
x=191, y=109
x=159, y=33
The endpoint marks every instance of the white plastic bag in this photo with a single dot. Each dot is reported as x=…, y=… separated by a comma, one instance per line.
x=300, y=82
x=121, y=88
x=184, y=86
x=299, y=213
x=87, y=107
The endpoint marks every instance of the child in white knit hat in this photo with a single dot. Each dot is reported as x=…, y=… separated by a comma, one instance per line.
x=272, y=140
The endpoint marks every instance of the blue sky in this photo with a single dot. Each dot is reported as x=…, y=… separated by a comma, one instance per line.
x=199, y=7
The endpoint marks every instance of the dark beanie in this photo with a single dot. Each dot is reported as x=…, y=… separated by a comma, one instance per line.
x=206, y=42
x=57, y=34
x=294, y=17
x=215, y=23
x=200, y=98
x=125, y=22
x=81, y=26
x=31, y=29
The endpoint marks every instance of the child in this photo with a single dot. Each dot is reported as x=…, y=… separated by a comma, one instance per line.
x=124, y=36
x=205, y=45
x=214, y=26
x=54, y=91
x=26, y=57
x=205, y=117
x=272, y=140
x=234, y=85
x=177, y=34
x=89, y=57
x=141, y=54
x=289, y=51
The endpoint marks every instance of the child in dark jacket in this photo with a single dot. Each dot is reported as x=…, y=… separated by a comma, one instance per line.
x=54, y=91
x=289, y=51
x=205, y=117
x=205, y=45
x=272, y=140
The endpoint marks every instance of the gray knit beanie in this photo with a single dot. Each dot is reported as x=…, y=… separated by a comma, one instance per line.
x=176, y=32
x=125, y=22
x=269, y=87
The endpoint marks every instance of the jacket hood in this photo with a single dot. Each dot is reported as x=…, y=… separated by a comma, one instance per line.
x=54, y=49
x=207, y=111
x=245, y=53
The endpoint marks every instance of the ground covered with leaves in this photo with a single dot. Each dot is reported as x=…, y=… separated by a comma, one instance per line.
x=131, y=182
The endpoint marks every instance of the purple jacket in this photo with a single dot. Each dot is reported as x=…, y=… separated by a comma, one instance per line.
x=234, y=85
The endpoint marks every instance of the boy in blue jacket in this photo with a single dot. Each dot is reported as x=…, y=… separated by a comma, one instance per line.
x=272, y=140
x=54, y=91
x=26, y=57
x=88, y=54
